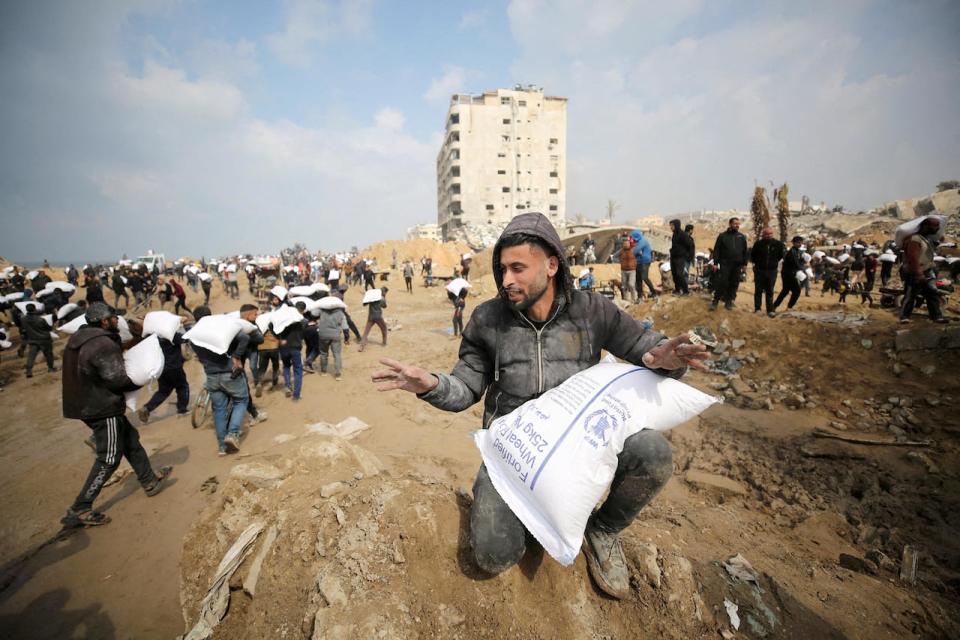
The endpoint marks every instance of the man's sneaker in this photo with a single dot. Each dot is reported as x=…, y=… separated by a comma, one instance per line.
x=756, y=310
x=144, y=414
x=607, y=564
x=261, y=417
x=728, y=306
x=338, y=377
x=29, y=374
x=771, y=314
x=231, y=443
x=902, y=321
x=941, y=320
x=308, y=368
x=52, y=369
x=221, y=452
x=288, y=392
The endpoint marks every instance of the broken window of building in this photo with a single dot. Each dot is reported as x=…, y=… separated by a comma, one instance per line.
x=501, y=155
x=501, y=172
x=506, y=121
x=506, y=189
x=506, y=138
x=553, y=141
x=489, y=207
x=554, y=190
x=553, y=207
x=454, y=118
x=553, y=174
x=504, y=100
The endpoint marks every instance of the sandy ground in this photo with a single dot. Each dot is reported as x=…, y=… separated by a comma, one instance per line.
x=793, y=507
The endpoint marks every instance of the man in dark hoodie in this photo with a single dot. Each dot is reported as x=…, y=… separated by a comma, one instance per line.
x=94, y=381
x=36, y=334
x=766, y=254
x=792, y=263
x=537, y=333
x=681, y=254
x=730, y=253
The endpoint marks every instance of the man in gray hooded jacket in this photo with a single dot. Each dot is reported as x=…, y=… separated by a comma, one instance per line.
x=537, y=333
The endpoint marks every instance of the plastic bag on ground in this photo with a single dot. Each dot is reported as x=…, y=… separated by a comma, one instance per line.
x=162, y=323
x=553, y=458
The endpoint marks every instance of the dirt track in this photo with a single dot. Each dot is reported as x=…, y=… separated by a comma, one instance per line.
x=796, y=505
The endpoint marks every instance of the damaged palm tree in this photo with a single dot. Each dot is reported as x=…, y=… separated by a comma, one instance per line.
x=783, y=210
x=760, y=211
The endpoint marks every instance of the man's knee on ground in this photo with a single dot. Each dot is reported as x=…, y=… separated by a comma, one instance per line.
x=496, y=554
x=650, y=454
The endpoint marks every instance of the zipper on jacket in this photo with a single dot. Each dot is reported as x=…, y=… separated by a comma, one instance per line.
x=540, y=346
x=496, y=409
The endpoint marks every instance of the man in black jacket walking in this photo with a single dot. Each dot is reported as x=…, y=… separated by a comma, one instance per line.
x=766, y=254
x=792, y=263
x=537, y=305
x=681, y=254
x=94, y=381
x=36, y=335
x=730, y=254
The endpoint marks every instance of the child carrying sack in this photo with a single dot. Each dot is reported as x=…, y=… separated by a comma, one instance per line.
x=552, y=458
x=457, y=285
x=162, y=323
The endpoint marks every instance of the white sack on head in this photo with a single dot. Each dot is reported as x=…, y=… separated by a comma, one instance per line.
x=334, y=274
x=331, y=302
x=303, y=290
x=31, y=275
x=263, y=321
x=73, y=325
x=553, y=458
x=12, y=297
x=457, y=285
x=214, y=333
x=909, y=228
x=309, y=303
x=818, y=254
x=373, y=295
x=843, y=257
x=162, y=323
x=65, y=310
x=887, y=257
x=831, y=260
x=280, y=292
x=204, y=276
x=284, y=317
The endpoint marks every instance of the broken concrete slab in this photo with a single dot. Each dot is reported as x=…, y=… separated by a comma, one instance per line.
x=259, y=474
x=715, y=483
x=927, y=338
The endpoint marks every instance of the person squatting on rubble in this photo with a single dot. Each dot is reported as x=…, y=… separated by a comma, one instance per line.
x=94, y=381
x=766, y=254
x=537, y=304
x=730, y=254
x=917, y=273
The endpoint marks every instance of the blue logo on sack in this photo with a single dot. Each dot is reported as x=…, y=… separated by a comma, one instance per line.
x=597, y=425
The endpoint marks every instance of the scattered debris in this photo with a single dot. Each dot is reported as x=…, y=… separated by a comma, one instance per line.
x=214, y=604
x=253, y=575
x=871, y=440
x=347, y=428
x=908, y=564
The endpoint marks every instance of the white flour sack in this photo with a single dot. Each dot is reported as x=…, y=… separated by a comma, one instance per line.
x=143, y=363
x=215, y=333
x=162, y=323
x=553, y=458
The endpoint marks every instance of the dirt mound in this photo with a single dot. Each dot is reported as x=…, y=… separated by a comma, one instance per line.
x=445, y=255
x=361, y=553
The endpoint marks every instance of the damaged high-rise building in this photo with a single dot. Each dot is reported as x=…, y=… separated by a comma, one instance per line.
x=503, y=154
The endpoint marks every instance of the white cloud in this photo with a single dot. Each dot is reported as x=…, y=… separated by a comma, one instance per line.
x=311, y=24
x=671, y=118
x=222, y=60
x=163, y=88
x=472, y=19
x=452, y=81
x=390, y=119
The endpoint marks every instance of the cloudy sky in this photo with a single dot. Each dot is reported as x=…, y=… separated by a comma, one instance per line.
x=200, y=127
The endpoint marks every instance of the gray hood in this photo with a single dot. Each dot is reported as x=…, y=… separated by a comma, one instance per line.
x=536, y=224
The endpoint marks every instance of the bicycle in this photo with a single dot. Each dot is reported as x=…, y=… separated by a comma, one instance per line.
x=201, y=409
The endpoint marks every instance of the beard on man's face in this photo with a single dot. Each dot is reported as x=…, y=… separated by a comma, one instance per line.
x=528, y=298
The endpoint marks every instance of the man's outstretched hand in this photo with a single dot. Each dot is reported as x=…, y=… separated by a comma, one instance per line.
x=404, y=376
x=677, y=352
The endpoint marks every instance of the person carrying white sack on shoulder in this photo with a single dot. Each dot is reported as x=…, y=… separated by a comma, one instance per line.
x=538, y=332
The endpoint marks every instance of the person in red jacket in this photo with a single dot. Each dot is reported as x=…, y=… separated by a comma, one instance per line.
x=94, y=381
x=181, y=297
